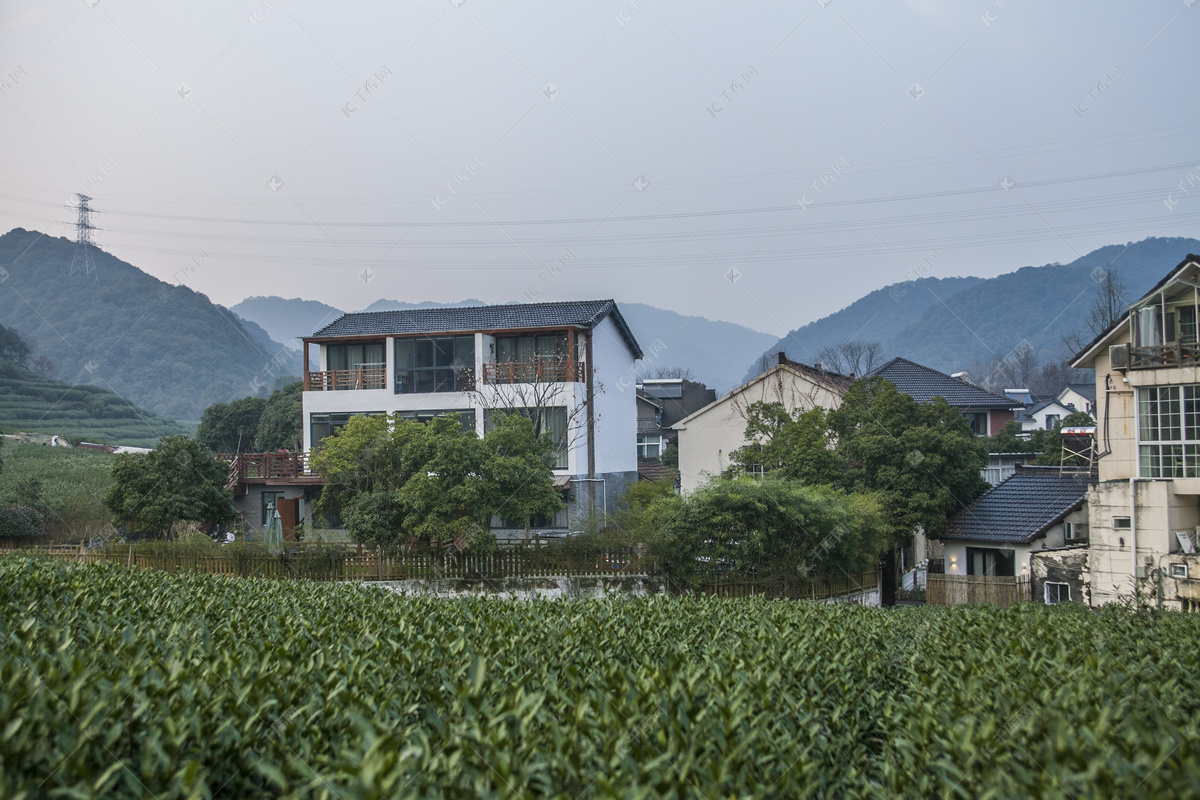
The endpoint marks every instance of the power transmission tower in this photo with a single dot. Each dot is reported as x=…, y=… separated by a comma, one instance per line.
x=82, y=262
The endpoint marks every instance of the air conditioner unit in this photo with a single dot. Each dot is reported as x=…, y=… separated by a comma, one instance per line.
x=1118, y=357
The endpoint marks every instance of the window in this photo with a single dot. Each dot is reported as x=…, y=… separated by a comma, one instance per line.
x=465, y=416
x=540, y=357
x=649, y=446
x=322, y=426
x=550, y=421
x=978, y=422
x=1051, y=421
x=435, y=364
x=1179, y=570
x=1121, y=523
x=1057, y=593
x=1076, y=531
x=1169, y=431
x=988, y=561
x=270, y=499
x=1187, y=323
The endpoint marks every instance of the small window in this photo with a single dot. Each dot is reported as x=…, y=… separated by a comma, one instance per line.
x=1051, y=421
x=1179, y=570
x=649, y=446
x=1076, y=531
x=1057, y=593
x=1121, y=523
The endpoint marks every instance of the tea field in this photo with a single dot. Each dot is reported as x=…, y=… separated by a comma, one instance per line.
x=136, y=683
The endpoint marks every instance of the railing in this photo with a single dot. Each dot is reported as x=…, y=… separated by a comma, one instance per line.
x=561, y=371
x=265, y=466
x=1179, y=354
x=368, y=376
x=951, y=590
x=995, y=475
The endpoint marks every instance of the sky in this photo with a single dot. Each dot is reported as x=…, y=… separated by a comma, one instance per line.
x=764, y=164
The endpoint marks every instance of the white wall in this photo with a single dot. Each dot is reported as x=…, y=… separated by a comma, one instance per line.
x=956, y=556
x=614, y=382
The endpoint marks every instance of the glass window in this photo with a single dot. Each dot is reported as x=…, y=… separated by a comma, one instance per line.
x=1187, y=323
x=978, y=422
x=1051, y=421
x=435, y=364
x=1057, y=593
x=322, y=426
x=1169, y=431
x=270, y=499
x=988, y=561
x=466, y=417
x=550, y=421
x=541, y=357
x=649, y=446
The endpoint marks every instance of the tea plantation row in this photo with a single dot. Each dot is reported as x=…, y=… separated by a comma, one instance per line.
x=126, y=683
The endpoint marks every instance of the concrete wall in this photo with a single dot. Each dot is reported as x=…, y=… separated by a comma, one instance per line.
x=1067, y=565
x=955, y=553
x=707, y=439
x=616, y=400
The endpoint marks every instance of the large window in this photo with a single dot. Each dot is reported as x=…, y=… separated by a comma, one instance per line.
x=988, y=561
x=978, y=420
x=533, y=359
x=551, y=421
x=322, y=426
x=354, y=356
x=435, y=364
x=649, y=446
x=466, y=417
x=1169, y=431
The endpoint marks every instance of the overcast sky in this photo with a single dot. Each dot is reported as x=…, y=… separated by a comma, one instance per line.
x=760, y=163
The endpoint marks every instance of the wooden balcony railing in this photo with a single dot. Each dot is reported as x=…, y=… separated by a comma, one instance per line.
x=535, y=372
x=368, y=376
x=264, y=467
x=1178, y=354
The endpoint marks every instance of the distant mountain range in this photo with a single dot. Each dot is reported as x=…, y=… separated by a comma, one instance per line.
x=947, y=323
x=165, y=348
x=716, y=352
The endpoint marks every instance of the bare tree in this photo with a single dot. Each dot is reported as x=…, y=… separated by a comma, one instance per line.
x=1110, y=301
x=44, y=366
x=684, y=373
x=851, y=357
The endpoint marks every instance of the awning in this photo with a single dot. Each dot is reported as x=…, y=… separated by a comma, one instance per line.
x=562, y=481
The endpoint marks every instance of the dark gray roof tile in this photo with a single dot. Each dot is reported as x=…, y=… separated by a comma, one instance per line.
x=1020, y=508
x=923, y=383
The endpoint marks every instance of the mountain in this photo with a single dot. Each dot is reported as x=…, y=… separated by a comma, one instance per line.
x=34, y=404
x=716, y=352
x=165, y=348
x=950, y=322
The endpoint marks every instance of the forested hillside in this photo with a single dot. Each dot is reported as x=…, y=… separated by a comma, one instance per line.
x=165, y=348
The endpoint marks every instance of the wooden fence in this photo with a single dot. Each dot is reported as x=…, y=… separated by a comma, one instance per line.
x=816, y=589
x=353, y=563
x=950, y=590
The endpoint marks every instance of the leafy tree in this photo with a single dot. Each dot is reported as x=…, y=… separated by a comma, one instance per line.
x=1009, y=440
x=21, y=522
x=670, y=456
x=774, y=529
x=180, y=480
x=1049, y=443
x=231, y=427
x=921, y=461
x=13, y=347
x=396, y=481
x=281, y=425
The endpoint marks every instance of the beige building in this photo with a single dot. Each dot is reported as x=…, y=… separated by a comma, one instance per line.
x=709, y=435
x=1145, y=507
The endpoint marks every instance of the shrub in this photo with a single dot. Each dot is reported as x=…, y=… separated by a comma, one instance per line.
x=21, y=522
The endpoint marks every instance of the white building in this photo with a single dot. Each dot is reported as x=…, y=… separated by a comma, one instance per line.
x=570, y=366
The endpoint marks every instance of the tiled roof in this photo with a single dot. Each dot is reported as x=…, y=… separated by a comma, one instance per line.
x=460, y=319
x=650, y=469
x=923, y=383
x=1021, y=507
x=1088, y=390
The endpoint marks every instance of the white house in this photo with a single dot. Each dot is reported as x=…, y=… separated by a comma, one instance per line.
x=570, y=366
x=1043, y=416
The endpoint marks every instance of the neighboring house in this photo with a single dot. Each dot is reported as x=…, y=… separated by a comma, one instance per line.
x=261, y=481
x=568, y=366
x=1043, y=416
x=1145, y=507
x=1079, y=397
x=708, y=435
x=986, y=412
x=661, y=403
x=1001, y=466
x=1038, y=508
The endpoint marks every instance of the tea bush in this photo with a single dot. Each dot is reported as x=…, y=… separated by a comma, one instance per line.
x=127, y=683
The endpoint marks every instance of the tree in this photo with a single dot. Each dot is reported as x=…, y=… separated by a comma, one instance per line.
x=1110, y=301
x=921, y=461
x=851, y=357
x=684, y=373
x=178, y=481
x=13, y=347
x=776, y=530
x=231, y=427
x=1009, y=440
x=395, y=481
x=44, y=366
x=281, y=425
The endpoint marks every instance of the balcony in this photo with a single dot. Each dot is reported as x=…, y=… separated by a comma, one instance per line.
x=1179, y=354
x=366, y=376
x=272, y=469
x=550, y=371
